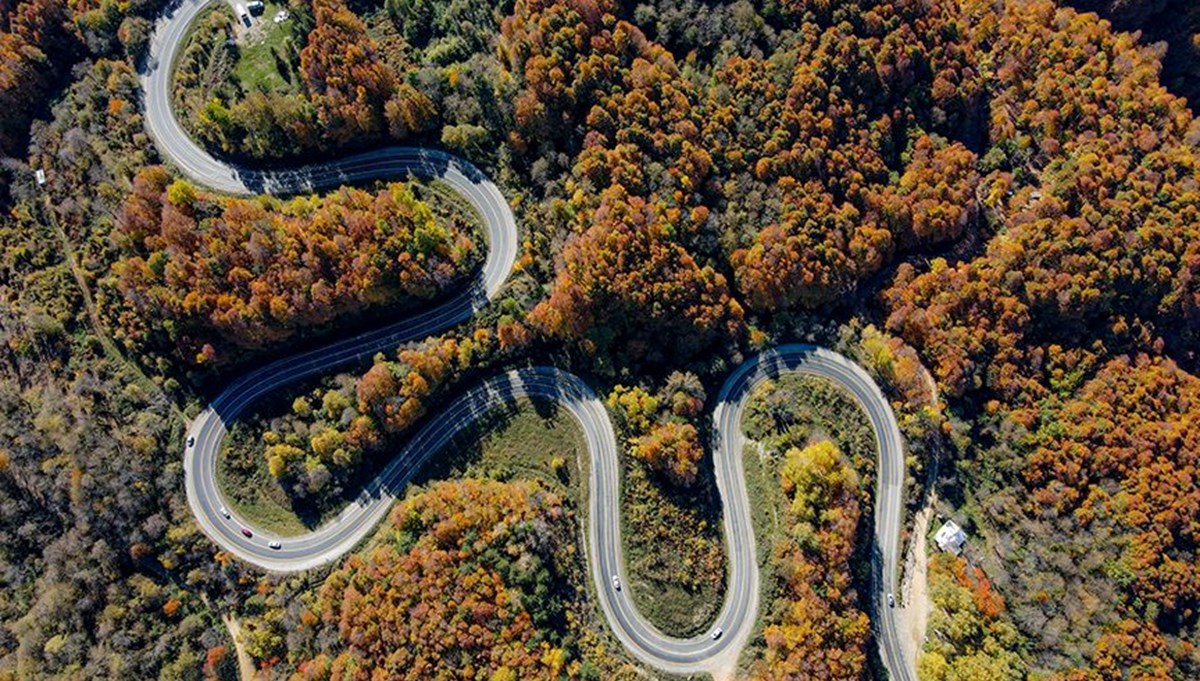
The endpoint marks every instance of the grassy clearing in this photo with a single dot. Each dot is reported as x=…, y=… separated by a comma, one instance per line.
x=265, y=54
x=529, y=440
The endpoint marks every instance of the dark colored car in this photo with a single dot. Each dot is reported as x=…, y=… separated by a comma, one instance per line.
x=247, y=533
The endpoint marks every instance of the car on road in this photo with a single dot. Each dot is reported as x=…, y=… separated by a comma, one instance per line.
x=716, y=633
x=276, y=545
x=246, y=532
x=891, y=601
x=191, y=442
x=225, y=513
x=616, y=582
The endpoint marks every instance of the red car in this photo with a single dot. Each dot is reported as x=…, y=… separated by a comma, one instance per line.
x=247, y=533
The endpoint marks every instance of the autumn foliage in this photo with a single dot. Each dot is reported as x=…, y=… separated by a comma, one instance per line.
x=843, y=133
x=814, y=629
x=237, y=274
x=972, y=638
x=1063, y=328
x=1004, y=188
x=396, y=392
x=599, y=299
x=658, y=426
x=812, y=169
x=1108, y=240
x=673, y=449
x=462, y=586
x=1126, y=449
x=34, y=46
x=350, y=97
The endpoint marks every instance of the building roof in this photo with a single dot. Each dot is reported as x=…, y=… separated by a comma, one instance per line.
x=950, y=537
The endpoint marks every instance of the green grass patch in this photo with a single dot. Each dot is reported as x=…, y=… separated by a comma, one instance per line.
x=267, y=55
x=527, y=440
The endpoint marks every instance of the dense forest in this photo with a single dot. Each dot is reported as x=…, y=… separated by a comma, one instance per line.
x=1002, y=192
x=200, y=272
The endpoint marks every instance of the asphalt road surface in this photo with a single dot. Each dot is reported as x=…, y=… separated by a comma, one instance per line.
x=739, y=612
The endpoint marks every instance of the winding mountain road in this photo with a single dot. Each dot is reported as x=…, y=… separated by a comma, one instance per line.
x=340, y=535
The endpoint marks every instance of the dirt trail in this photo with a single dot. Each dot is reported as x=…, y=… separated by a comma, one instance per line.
x=915, y=590
x=245, y=663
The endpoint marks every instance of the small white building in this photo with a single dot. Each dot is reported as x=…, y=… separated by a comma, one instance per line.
x=950, y=537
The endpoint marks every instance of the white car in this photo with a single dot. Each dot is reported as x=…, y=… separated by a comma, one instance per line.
x=191, y=441
x=716, y=633
x=891, y=601
x=616, y=582
x=276, y=545
x=225, y=513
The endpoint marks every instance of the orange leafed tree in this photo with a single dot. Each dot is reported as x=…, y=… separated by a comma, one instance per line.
x=672, y=449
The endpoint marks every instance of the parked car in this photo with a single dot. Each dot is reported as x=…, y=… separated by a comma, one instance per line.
x=276, y=545
x=891, y=601
x=225, y=513
x=616, y=582
x=191, y=442
x=247, y=533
